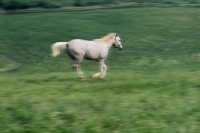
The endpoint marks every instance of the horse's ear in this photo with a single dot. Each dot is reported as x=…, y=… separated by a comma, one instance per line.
x=116, y=35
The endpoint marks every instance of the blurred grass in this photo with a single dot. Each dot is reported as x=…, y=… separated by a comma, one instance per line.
x=7, y=63
x=152, y=85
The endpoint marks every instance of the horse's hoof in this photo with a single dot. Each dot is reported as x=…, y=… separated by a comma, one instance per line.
x=81, y=78
x=101, y=77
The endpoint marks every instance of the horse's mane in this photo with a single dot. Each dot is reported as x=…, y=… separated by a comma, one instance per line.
x=106, y=39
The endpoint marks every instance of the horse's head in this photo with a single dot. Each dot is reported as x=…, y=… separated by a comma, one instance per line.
x=117, y=42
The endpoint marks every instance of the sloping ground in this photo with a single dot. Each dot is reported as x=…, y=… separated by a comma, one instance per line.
x=152, y=85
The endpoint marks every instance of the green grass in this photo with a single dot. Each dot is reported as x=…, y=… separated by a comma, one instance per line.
x=7, y=63
x=152, y=85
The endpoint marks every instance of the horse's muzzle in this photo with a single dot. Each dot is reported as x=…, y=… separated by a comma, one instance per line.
x=120, y=48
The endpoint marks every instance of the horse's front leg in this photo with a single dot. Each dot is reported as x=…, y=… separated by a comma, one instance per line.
x=102, y=72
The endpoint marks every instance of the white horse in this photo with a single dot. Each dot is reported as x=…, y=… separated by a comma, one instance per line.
x=97, y=49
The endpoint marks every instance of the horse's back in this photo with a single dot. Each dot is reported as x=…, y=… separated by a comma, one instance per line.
x=82, y=44
x=88, y=49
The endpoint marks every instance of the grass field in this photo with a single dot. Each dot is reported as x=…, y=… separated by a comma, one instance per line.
x=152, y=85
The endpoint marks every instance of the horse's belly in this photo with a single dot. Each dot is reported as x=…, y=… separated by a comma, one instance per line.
x=91, y=55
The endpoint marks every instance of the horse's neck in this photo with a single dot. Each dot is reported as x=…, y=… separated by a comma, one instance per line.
x=107, y=44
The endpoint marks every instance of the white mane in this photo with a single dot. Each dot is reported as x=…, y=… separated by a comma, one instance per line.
x=106, y=39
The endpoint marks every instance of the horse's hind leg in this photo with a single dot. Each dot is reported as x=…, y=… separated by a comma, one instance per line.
x=77, y=70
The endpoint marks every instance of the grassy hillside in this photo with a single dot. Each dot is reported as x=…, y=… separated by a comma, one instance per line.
x=152, y=85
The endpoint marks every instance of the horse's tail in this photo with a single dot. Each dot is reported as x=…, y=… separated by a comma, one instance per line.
x=57, y=47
